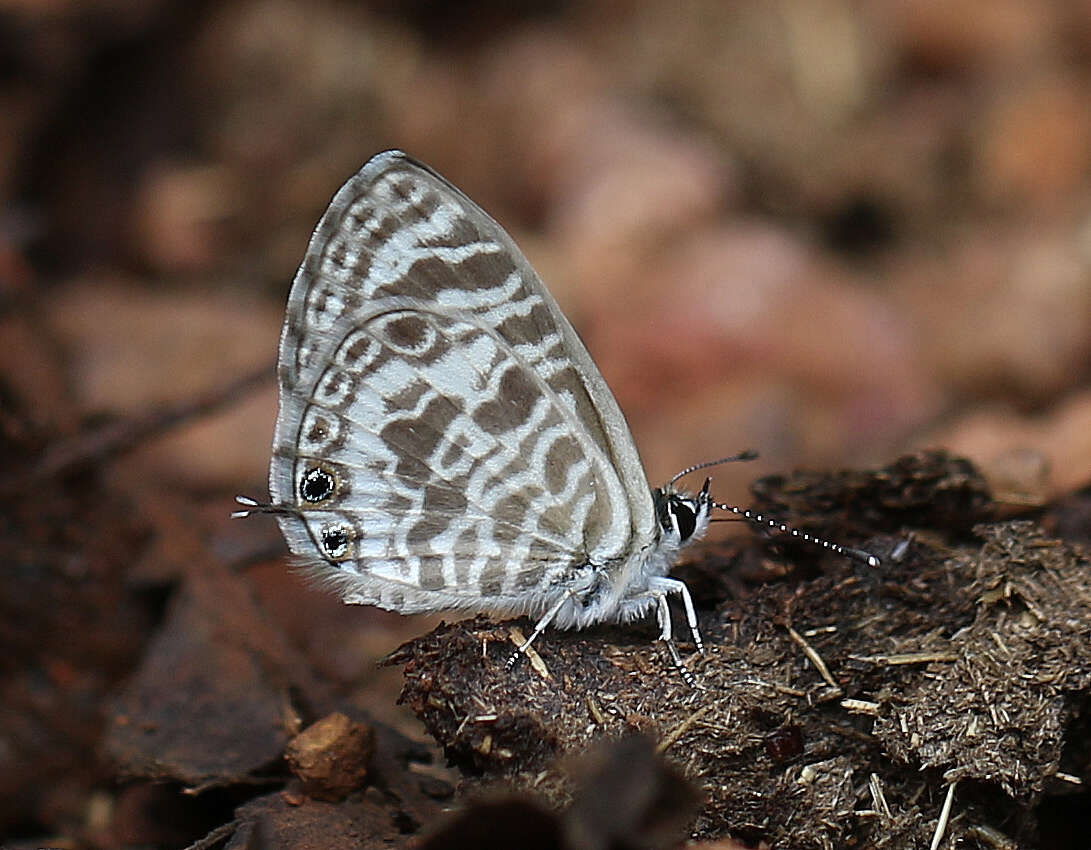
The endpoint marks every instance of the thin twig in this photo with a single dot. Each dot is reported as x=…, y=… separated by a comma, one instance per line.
x=899, y=658
x=681, y=729
x=814, y=658
x=861, y=706
x=215, y=837
x=878, y=798
x=944, y=816
x=123, y=435
x=530, y=652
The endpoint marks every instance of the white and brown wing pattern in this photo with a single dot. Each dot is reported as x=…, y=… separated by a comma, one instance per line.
x=444, y=439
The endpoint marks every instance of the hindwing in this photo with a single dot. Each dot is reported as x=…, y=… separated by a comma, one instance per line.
x=443, y=439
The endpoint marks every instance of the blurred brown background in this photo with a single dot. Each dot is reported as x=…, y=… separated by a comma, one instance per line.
x=829, y=231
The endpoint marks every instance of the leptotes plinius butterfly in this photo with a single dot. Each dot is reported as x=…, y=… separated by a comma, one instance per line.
x=444, y=440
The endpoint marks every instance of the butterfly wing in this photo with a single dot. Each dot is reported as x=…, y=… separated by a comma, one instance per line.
x=444, y=438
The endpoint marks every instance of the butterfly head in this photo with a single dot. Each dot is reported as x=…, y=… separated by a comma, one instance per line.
x=683, y=517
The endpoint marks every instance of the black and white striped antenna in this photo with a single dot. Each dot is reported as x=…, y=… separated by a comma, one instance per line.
x=783, y=527
x=775, y=524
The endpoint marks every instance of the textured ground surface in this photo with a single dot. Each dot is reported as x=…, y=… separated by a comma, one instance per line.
x=836, y=233
x=831, y=711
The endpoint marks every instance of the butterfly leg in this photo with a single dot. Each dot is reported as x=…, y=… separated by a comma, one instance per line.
x=539, y=627
x=666, y=634
x=672, y=585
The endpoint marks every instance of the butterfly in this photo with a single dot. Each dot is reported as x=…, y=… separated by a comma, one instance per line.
x=444, y=439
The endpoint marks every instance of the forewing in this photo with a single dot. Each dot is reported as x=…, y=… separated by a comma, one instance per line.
x=476, y=452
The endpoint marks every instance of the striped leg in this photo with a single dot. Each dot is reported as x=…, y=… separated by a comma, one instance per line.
x=539, y=627
x=666, y=634
x=672, y=585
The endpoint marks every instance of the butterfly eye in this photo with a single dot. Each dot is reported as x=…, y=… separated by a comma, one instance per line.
x=685, y=518
x=317, y=485
x=335, y=540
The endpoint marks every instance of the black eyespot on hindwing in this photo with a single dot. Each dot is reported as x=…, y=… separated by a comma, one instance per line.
x=335, y=540
x=317, y=485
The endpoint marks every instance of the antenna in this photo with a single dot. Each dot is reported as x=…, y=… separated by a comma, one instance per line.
x=749, y=454
x=256, y=507
x=760, y=519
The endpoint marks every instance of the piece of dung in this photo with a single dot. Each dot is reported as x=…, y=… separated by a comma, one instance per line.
x=331, y=756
